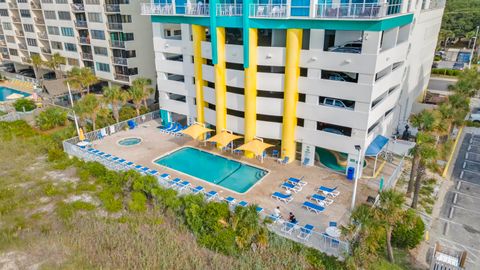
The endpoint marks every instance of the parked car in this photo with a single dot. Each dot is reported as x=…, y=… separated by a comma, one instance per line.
x=27, y=73
x=8, y=67
x=339, y=76
x=333, y=130
x=49, y=76
x=458, y=66
x=475, y=116
x=348, y=47
x=335, y=103
x=435, y=65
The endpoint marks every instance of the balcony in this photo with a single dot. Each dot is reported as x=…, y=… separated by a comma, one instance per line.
x=197, y=9
x=19, y=33
x=117, y=44
x=87, y=56
x=39, y=21
x=3, y=43
x=168, y=9
x=16, y=19
x=35, y=5
x=81, y=24
x=26, y=60
x=121, y=77
x=42, y=35
x=84, y=40
x=22, y=46
x=12, y=5
x=5, y=56
x=157, y=9
x=46, y=50
x=112, y=8
x=115, y=26
x=78, y=7
x=120, y=61
x=229, y=9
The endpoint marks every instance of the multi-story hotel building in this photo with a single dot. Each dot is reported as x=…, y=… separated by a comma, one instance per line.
x=320, y=77
x=108, y=36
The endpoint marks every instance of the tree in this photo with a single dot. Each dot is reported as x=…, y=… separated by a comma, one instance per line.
x=81, y=79
x=50, y=118
x=54, y=63
x=468, y=83
x=136, y=94
x=427, y=152
x=37, y=62
x=389, y=212
x=116, y=97
x=89, y=106
x=144, y=83
x=423, y=121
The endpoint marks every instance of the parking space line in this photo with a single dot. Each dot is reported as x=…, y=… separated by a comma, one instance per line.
x=469, y=171
x=466, y=209
x=476, y=162
x=463, y=246
x=470, y=183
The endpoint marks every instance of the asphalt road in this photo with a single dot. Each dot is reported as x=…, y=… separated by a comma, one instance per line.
x=440, y=84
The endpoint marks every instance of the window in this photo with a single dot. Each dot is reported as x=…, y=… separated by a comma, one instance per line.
x=4, y=12
x=100, y=51
x=32, y=42
x=102, y=67
x=53, y=30
x=7, y=26
x=25, y=13
x=13, y=52
x=95, y=17
x=61, y=1
x=73, y=62
x=93, y=2
x=67, y=31
x=70, y=47
x=64, y=15
x=97, y=34
x=57, y=45
x=50, y=15
x=28, y=28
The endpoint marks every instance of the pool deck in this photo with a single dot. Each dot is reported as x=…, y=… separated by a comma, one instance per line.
x=155, y=144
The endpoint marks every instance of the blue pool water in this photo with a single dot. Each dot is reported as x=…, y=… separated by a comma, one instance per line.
x=5, y=92
x=130, y=141
x=230, y=174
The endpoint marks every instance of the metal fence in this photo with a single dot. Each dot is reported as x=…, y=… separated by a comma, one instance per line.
x=14, y=76
x=296, y=232
x=10, y=117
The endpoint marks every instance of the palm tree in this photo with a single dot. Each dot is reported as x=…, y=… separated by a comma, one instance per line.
x=54, y=63
x=423, y=121
x=427, y=152
x=116, y=97
x=74, y=80
x=81, y=79
x=136, y=94
x=389, y=212
x=144, y=83
x=89, y=106
x=88, y=78
x=37, y=62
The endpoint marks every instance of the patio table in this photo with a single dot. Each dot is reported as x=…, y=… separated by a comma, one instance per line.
x=333, y=232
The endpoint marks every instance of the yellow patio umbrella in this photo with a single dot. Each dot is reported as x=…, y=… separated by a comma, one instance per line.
x=224, y=138
x=81, y=135
x=256, y=146
x=196, y=130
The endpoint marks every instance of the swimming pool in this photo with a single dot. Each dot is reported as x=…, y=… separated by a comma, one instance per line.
x=5, y=92
x=130, y=141
x=236, y=176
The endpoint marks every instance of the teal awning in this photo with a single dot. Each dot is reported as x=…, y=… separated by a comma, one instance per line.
x=376, y=146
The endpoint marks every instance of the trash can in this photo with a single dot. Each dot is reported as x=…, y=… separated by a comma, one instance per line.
x=350, y=173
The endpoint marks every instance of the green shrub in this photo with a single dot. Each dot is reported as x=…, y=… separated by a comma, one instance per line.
x=67, y=210
x=51, y=118
x=437, y=58
x=127, y=112
x=24, y=104
x=138, y=202
x=110, y=202
x=409, y=232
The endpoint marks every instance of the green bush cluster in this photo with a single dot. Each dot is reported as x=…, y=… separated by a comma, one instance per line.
x=446, y=71
x=409, y=231
x=51, y=118
x=24, y=104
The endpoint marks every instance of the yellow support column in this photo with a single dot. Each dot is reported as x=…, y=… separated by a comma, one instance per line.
x=220, y=82
x=251, y=90
x=290, y=97
x=198, y=33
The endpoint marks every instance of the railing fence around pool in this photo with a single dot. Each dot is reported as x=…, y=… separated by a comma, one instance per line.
x=296, y=232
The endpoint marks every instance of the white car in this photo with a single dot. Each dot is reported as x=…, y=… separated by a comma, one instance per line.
x=335, y=103
x=475, y=117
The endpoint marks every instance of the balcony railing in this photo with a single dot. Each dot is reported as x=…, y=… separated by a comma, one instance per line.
x=22, y=46
x=39, y=21
x=84, y=40
x=197, y=9
x=19, y=33
x=5, y=56
x=16, y=19
x=268, y=10
x=46, y=50
x=120, y=61
x=157, y=9
x=42, y=35
x=26, y=60
x=115, y=26
x=121, y=77
x=117, y=44
x=87, y=56
x=78, y=7
x=112, y=8
x=35, y=5
x=229, y=9
x=81, y=24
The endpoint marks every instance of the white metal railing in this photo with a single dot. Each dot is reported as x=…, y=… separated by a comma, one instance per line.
x=363, y=10
x=157, y=9
x=433, y=4
x=198, y=9
x=268, y=10
x=229, y=9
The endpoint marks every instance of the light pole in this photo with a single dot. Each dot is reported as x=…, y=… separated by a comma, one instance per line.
x=473, y=48
x=74, y=115
x=357, y=175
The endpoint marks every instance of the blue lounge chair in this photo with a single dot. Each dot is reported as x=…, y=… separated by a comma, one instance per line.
x=242, y=204
x=288, y=227
x=177, y=128
x=129, y=164
x=114, y=159
x=131, y=124
x=197, y=189
x=211, y=195
x=174, y=182
x=286, y=198
x=165, y=176
x=305, y=232
x=230, y=200
x=273, y=218
x=296, y=181
x=335, y=243
x=332, y=224
x=291, y=187
x=275, y=154
x=283, y=161
x=333, y=192
x=259, y=209
x=237, y=152
x=138, y=167
x=313, y=207
x=321, y=199
x=306, y=161
x=183, y=185
x=166, y=127
x=152, y=172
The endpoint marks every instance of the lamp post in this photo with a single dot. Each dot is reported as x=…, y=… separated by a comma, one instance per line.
x=473, y=48
x=357, y=174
